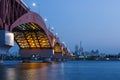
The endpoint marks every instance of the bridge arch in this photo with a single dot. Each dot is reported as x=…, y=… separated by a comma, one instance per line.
x=33, y=19
x=31, y=35
x=30, y=17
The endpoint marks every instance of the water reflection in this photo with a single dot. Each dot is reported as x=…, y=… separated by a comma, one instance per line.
x=76, y=70
x=31, y=71
x=11, y=74
x=55, y=72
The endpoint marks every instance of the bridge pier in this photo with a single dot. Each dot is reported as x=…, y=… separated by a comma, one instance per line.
x=57, y=57
x=45, y=54
x=6, y=42
x=25, y=60
x=1, y=59
x=47, y=59
x=65, y=58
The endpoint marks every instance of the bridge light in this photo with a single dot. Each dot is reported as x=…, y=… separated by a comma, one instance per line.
x=52, y=28
x=45, y=20
x=33, y=4
x=56, y=34
x=9, y=38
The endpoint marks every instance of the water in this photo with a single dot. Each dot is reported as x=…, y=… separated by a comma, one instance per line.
x=74, y=70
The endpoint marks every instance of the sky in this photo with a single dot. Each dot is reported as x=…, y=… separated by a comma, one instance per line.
x=94, y=22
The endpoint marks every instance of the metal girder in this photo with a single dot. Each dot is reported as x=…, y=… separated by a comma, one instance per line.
x=10, y=11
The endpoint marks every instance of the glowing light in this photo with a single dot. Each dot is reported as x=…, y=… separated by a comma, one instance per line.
x=45, y=20
x=57, y=49
x=52, y=29
x=33, y=4
x=56, y=34
x=9, y=39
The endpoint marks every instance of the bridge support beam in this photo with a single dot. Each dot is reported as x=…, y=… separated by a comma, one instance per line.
x=47, y=59
x=45, y=54
x=65, y=58
x=57, y=57
x=1, y=58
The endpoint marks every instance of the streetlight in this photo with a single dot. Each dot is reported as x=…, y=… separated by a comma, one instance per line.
x=33, y=4
x=52, y=29
x=56, y=34
x=45, y=20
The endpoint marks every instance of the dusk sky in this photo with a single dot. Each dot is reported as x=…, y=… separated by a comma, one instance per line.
x=94, y=22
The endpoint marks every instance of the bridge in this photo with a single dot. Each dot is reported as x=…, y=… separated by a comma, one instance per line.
x=28, y=30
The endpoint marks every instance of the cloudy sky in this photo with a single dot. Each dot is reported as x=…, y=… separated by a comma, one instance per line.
x=94, y=22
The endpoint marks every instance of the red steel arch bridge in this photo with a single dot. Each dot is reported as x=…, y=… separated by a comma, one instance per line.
x=29, y=32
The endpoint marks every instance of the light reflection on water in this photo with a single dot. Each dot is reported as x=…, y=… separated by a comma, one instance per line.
x=75, y=70
x=31, y=71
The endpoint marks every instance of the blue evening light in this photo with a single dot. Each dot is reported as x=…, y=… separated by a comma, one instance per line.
x=94, y=22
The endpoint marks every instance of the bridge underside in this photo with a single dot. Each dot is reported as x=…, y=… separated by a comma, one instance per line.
x=31, y=36
x=32, y=39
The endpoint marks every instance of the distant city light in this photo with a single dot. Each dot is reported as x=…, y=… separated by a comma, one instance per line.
x=33, y=4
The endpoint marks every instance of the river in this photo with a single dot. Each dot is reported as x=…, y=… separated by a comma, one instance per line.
x=71, y=70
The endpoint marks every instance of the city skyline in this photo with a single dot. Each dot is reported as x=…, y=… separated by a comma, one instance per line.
x=94, y=22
